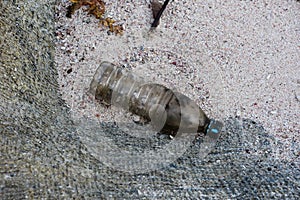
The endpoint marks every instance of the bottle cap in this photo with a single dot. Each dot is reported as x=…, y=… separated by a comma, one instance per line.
x=214, y=129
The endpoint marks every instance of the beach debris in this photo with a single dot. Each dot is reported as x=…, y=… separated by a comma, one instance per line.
x=157, y=10
x=109, y=22
x=155, y=6
x=169, y=112
x=97, y=9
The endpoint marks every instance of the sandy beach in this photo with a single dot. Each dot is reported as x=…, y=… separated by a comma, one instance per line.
x=238, y=60
x=235, y=59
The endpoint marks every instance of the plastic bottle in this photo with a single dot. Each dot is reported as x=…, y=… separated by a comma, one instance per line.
x=169, y=112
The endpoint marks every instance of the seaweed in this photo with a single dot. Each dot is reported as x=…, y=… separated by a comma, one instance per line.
x=97, y=9
x=157, y=10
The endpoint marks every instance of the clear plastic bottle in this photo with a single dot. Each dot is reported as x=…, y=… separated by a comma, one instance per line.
x=169, y=112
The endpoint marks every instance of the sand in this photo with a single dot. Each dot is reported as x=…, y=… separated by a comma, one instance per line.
x=234, y=58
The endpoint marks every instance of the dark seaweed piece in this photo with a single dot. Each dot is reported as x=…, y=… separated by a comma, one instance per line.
x=155, y=6
x=157, y=15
